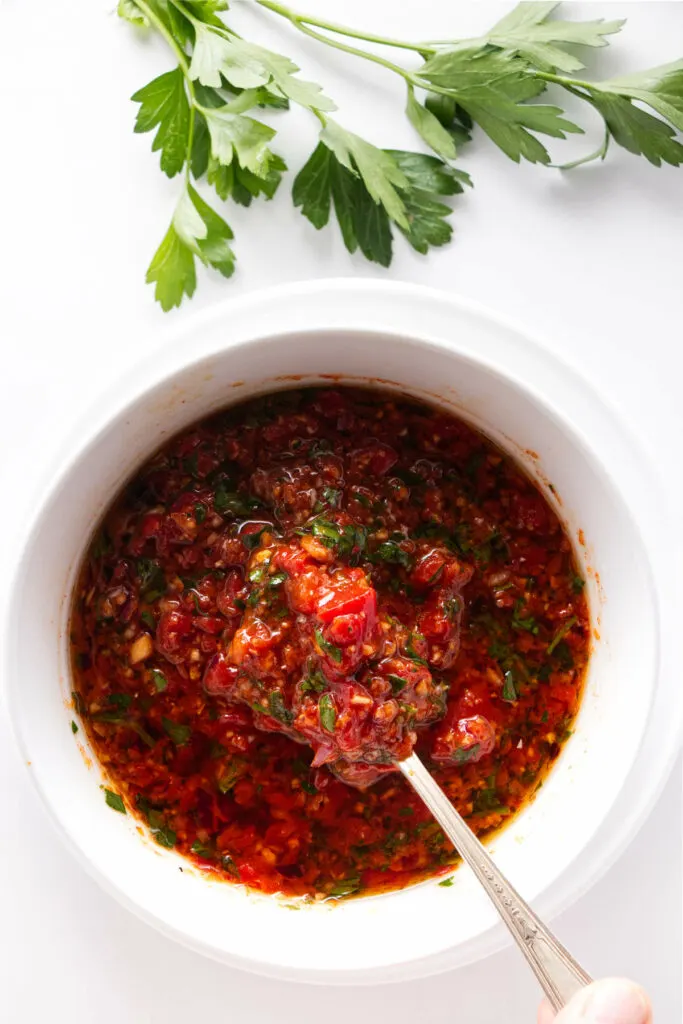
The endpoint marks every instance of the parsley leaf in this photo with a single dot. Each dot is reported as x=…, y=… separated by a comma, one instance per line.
x=526, y=32
x=114, y=801
x=462, y=755
x=242, y=185
x=129, y=11
x=364, y=222
x=451, y=115
x=390, y=552
x=247, y=65
x=280, y=72
x=660, y=88
x=429, y=127
x=172, y=268
x=345, y=888
x=398, y=683
x=428, y=177
x=509, y=692
x=561, y=633
x=335, y=653
x=198, y=112
x=159, y=679
x=315, y=680
x=377, y=170
x=179, y=733
x=327, y=712
x=196, y=230
x=236, y=136
x=120, y=700
x=164, y=104
x=493, y=88
x=523, y=622
x=636, y=130
x=277, y=708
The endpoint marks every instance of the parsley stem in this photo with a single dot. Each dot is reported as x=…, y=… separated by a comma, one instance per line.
x=155, y=20
x=599, y=154
x=567, y=83
x=341, y=30
x=337, y=45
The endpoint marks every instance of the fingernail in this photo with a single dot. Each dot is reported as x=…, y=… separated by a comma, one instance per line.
x=616, y=1001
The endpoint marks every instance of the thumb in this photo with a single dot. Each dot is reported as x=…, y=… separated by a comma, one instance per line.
x=610, y=1001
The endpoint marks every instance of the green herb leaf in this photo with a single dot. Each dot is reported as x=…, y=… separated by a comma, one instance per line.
x=150, y=574
x=312, y=189
x=232, y=773
x=196, y=230
x=660, y=88
x=114, y=801
x=165, y=836
x=79, y=703
x=446, y=883
x=428, y=126
x=398, y=683
x=428, y=178
x=314, y=681
x=523, y=622
x=345, y=888
x=179, y=733
x=202, y=850
x=561, y=633
x=493, y=88
x=129, y=11
x=172, y=268
x=636, y=130
x=378, y=170
x=410, y=649
x=164, y=104
x=159, y=679
x=236, y=137
x=277, y=708
x=578, y=583
x=327, y=711
x=331, y=496
x=120, y=700
x=526, y=32
x=276, y=580
x=329, y=649
x=451, y=115
x=74, y=727
x=509, y=689
x=390, y=552
x=243, y=185
x=246, y=66
x=462, y=756
x=148, y=620
x=364, y=222
x=236, y=504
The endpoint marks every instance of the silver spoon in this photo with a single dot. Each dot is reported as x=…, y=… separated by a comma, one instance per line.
x=559, y=974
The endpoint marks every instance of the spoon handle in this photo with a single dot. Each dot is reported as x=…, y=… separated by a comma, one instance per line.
x=558, y=973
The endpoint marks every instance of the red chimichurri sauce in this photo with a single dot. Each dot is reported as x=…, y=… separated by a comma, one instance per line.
x=299, y=591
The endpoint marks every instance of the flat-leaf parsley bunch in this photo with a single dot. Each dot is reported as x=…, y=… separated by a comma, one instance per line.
x=206, y=113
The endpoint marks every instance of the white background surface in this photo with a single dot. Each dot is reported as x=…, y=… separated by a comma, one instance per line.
x=590, y=261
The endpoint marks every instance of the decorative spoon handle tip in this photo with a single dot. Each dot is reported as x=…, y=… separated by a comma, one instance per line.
x=559, y=975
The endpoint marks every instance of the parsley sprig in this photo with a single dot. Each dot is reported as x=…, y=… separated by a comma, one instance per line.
x=202, y=113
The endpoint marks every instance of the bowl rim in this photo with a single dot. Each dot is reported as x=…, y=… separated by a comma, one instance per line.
x=155, y=367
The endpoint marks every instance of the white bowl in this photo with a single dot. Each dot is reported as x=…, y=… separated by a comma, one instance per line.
x=446, y=352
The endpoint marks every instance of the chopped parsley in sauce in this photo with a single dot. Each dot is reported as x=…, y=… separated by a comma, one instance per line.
x=295, y=594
